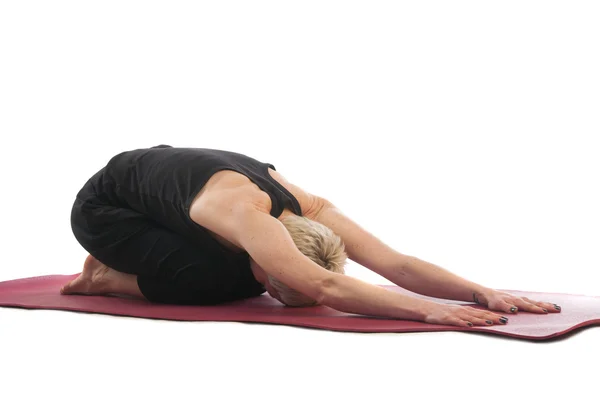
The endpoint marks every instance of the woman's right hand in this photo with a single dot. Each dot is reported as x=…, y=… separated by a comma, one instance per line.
x=463, y=315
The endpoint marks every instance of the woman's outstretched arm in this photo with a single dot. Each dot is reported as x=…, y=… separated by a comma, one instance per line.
x=412, y=273
x=245, y=223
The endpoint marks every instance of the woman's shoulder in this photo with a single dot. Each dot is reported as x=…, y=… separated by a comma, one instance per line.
x=307, y=201
x=227, y=188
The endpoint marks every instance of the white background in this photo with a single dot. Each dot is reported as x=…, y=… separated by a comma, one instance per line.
x=461, y=132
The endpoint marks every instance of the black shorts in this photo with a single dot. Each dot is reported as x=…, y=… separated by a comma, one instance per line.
x=171, y=267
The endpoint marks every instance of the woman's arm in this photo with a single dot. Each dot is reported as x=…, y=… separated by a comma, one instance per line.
x=406, y=271
x=268, y=242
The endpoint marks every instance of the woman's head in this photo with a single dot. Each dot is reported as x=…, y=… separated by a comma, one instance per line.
x=318, y=243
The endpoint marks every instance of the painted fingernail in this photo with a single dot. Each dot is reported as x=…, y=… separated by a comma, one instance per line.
x=513, y=309
x=489, y=322
x=469, y=324
x=503, y=320
x=557, y=307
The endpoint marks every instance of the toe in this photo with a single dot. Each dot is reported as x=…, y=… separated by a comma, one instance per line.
x=76, y=285
x=66, y=289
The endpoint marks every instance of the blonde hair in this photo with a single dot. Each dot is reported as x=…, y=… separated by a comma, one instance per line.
x=318, y=243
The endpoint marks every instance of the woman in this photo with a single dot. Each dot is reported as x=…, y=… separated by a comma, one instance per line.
x=203, y=226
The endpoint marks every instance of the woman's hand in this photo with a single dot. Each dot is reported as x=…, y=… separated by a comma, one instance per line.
x=500, y=301
x=462, y=315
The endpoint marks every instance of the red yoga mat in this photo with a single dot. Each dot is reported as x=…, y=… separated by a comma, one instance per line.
x=43, y=293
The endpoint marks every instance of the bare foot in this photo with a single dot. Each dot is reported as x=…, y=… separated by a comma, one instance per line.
x=95, y=279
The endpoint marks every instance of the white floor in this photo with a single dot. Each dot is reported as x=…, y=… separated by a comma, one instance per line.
x=459, y=132
x=67, y=355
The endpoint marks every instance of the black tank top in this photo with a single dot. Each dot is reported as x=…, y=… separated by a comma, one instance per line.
x=162, y=181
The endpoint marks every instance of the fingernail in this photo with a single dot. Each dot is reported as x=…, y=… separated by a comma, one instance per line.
x=513, y=309
x=469, y=324
x=545, y=310
x=503, y=320
x=557, y=307
x=489, y=322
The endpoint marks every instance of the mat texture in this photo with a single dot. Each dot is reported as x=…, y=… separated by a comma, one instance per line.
x=43, y=293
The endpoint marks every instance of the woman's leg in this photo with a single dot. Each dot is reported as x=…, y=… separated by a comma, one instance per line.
x=131, y=254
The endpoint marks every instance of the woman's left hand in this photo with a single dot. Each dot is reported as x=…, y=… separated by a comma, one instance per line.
x=500, y=301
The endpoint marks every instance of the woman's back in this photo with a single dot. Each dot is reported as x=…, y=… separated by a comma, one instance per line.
x=162, y=181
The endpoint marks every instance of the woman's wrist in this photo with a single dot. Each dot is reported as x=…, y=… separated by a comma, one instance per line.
x=480, y=295
x=427, y=308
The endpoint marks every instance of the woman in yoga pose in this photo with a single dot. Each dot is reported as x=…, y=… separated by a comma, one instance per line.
x=203, y=226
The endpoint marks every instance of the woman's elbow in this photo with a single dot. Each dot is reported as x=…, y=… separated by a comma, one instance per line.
x=326, y=289
x=313, y=293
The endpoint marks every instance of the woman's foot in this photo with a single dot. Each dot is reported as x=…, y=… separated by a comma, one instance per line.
x=97, y=279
